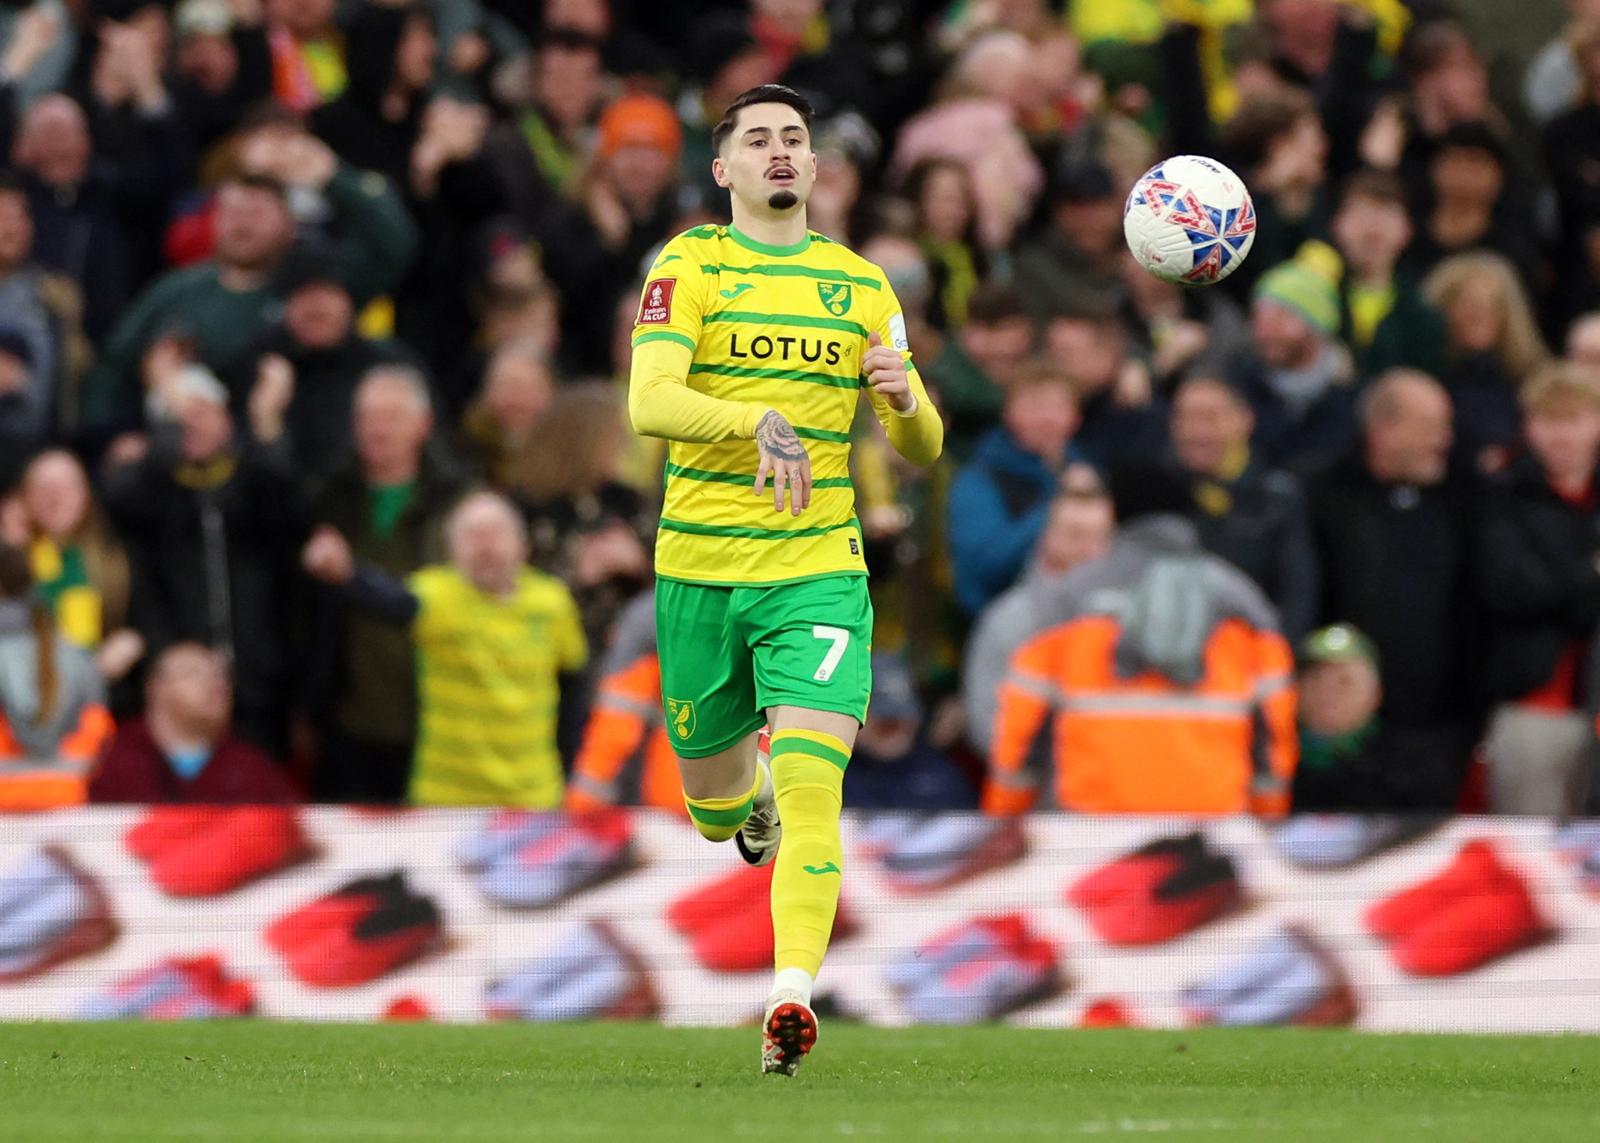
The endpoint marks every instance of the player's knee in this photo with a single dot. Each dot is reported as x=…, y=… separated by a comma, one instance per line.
x=718, y=818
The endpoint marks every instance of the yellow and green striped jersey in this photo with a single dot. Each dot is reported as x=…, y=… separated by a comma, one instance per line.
x=727, y=328
x=487, y=689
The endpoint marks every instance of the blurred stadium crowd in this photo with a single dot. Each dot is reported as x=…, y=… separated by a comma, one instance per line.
x=282, y=281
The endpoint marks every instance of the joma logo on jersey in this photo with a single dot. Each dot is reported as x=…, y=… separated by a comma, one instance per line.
x=680, y=712
x=835, y=297
x=787, y=348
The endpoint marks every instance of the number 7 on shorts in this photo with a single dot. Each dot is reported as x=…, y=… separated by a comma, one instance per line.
x=840, y=638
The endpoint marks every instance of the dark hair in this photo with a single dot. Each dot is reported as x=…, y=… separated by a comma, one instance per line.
x=311, y=261
x=568, y=39
x=1041, y=373
x=268, y=112
x=1080, y=179
x=766, y=93
x=252, y=180
x=1248, y=136
x=1101, y=313
x=992, y=304
x=1375, y=185
x=1475, y=136
x=918, y=178
x=1216, y=380
x=1431, y=43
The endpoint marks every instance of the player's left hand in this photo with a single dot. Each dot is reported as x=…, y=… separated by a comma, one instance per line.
x=885, y=369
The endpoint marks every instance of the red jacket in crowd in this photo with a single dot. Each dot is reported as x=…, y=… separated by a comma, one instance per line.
x=135, y=770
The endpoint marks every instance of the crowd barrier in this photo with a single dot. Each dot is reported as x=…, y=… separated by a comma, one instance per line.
x=332, y=913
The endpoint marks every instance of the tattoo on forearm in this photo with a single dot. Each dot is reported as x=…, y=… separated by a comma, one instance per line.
x=776, y=436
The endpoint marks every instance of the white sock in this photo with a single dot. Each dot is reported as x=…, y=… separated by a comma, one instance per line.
x=793, y=980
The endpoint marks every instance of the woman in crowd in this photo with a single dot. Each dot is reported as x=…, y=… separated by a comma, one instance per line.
x=940, y=192
x=53, y=718
x=77, y=562
x=1493, y=344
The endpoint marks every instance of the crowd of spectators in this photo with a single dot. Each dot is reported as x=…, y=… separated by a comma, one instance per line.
x=314, y=324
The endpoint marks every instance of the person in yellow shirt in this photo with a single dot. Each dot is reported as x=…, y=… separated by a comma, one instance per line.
x=493, y=638
x=753, y=347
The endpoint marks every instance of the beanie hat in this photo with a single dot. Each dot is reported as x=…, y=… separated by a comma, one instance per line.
x=640, y=121
x=1298, y=287
x=307, y=263
x=199, y=383
x=1147, y=488
x=1340, y=643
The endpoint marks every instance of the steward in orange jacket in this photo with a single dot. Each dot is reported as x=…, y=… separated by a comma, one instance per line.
x=625, y=725
x=1169, y=686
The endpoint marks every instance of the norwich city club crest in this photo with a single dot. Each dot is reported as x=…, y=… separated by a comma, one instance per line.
x=680, y=712
x=835, y=297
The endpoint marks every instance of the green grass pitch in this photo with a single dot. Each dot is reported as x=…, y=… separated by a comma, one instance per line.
x=250, y=1081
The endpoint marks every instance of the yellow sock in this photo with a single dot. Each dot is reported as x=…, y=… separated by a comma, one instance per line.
x=808, y=779
x=720, y=818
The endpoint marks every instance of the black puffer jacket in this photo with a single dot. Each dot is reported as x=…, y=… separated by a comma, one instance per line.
x=1398, y=562
x=212, y=546
x=1540, y=579
x=1260, y=524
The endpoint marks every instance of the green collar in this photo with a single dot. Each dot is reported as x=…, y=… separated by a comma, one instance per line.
x=1322, y=751
x=749, y=243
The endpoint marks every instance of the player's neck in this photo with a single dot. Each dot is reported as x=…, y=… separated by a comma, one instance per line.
x=772, y=229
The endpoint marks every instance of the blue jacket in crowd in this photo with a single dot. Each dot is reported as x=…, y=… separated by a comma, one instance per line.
x=998, y=506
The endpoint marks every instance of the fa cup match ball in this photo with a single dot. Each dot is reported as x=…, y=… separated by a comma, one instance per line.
x=1189, y=219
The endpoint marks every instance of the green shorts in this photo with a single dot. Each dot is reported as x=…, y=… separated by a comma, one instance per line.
x=730, y=653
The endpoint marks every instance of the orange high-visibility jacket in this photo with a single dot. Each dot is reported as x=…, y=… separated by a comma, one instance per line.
x=625, y=724
x=61, y=779
x=1169, y=687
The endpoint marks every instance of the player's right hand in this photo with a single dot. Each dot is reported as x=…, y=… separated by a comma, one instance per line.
x=784, y=459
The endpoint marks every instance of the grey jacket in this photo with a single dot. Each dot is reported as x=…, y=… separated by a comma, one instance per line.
x=79, y=685
x=1167, y=592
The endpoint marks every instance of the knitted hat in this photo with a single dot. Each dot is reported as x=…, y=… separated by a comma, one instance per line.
x=203, y=18
x=640, y=121
x=307, y=263
x=1298, y=287
x=199, y=383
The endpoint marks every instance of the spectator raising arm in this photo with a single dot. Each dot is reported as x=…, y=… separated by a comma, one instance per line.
x=329, y=559
x=496, y=643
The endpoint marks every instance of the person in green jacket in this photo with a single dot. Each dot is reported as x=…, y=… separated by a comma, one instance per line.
x=213, y=310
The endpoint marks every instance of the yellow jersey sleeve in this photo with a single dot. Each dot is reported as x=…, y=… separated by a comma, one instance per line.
x=918, y=435
x=571, y=648
x=428, y=584
x=666, y=332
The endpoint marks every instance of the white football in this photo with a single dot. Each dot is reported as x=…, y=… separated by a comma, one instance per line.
x=1189, y=219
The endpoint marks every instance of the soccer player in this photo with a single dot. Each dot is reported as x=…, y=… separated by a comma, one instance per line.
x=753, y=345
